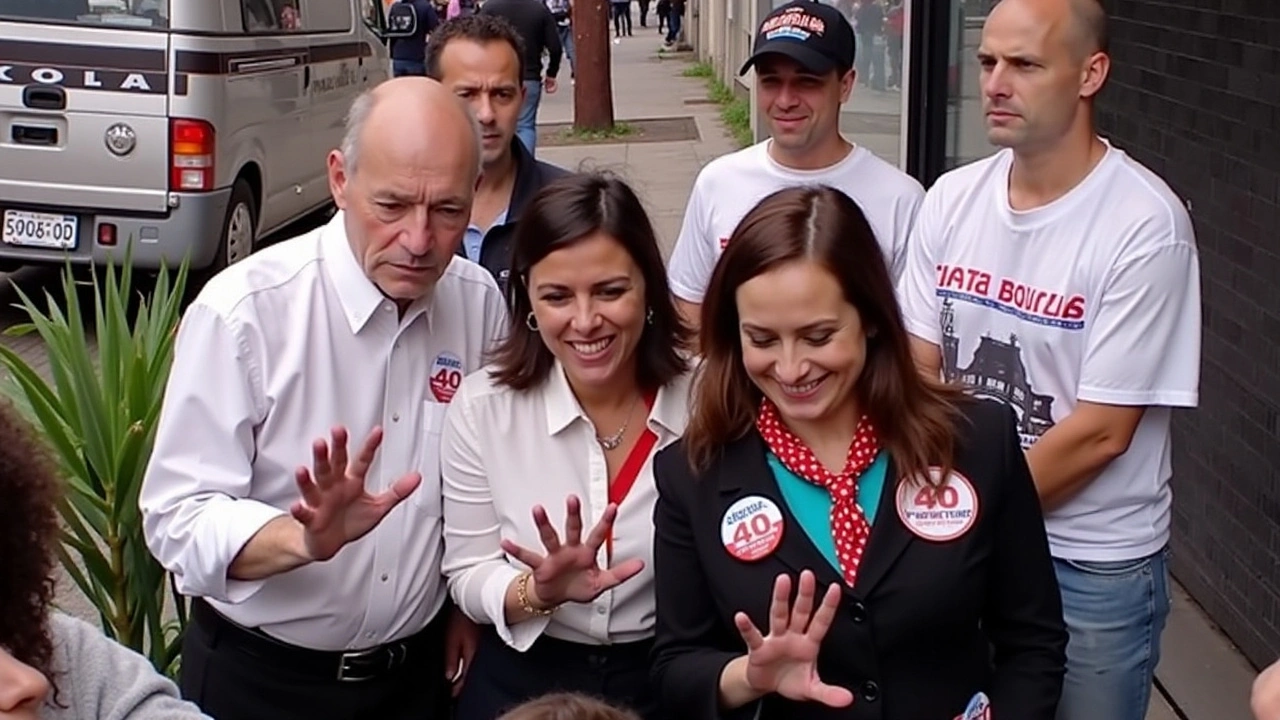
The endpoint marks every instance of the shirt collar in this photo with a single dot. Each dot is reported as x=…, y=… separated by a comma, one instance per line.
x=668, y=413
x=359, y=296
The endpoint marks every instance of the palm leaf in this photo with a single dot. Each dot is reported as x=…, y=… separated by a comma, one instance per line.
x=98, y=412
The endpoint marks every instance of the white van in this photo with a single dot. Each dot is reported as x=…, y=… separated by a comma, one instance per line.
x=191, y=127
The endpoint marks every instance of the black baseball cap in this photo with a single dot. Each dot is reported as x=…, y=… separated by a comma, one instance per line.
x=811, y=32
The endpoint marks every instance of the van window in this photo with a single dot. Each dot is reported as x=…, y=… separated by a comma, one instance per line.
x=130, y=14
x=329, y=17
x=271, y=16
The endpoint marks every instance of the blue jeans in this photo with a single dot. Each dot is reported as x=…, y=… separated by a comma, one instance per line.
x=566, y=42
x=674, y=21
x=1115, y=614
x=527, y=123
x=400, y=68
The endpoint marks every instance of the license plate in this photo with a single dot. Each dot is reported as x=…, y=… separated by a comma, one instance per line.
x=46, y=230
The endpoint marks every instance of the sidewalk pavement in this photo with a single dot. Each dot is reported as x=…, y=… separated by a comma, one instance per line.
x=1201, y=676
x=646, y=85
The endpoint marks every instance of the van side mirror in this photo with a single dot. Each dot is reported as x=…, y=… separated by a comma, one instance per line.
x=374, y=16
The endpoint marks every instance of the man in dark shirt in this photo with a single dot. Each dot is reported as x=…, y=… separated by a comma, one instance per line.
x=479, y=59
x=675, y=21
x=870, y=64
x=536, y=27
x=408, y=54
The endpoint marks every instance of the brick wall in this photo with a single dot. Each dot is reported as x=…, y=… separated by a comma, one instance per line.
x=1195, y=94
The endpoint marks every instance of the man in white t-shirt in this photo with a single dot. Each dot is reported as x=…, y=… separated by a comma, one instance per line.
x=803, y=58
x=1062, y=277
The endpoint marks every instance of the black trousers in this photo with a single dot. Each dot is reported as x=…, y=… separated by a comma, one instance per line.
x=234, y=677
x=621, y=18
x=501, y=677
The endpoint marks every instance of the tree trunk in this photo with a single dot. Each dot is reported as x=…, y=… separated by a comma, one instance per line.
x=593, y=92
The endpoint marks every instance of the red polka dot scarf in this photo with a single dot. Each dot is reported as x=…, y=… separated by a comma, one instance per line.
x=849, y=526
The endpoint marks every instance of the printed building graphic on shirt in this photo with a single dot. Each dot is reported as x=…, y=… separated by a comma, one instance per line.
x=996, y=371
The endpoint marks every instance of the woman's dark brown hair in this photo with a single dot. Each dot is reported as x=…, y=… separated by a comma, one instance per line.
x=562, y=214
x=28, y=530
x=914, y=416
x=568, y=706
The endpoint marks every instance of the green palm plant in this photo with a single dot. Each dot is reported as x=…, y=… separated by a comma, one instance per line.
x=99, y=416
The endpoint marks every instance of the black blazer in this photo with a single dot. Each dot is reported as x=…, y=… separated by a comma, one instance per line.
x=927, y=625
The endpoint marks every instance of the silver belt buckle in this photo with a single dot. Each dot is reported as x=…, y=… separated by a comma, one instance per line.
x=396, y=655
x=344, y=666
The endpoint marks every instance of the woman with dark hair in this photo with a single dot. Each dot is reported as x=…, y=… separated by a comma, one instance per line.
x=817, y=457
x=53, y=666
x=591, y=381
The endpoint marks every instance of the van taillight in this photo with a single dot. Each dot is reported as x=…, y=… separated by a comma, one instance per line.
x=191, y=148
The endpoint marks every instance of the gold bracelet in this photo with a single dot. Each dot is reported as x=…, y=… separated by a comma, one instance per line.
x=522, y=597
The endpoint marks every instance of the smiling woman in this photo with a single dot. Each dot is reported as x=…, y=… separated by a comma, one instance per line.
x=589, y=384
x=818, y=460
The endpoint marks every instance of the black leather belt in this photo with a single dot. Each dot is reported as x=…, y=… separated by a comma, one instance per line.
x=342, y=666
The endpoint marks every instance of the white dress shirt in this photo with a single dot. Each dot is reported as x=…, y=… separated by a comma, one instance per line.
x=275, y=351
x=505, y=451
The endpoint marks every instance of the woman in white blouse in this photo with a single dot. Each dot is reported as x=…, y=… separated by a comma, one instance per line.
x=547, y=456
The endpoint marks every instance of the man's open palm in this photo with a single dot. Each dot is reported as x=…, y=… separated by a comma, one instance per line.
x=335, y=508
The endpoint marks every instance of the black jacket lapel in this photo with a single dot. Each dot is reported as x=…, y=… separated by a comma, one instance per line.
x=889, y=538
x=745, y=472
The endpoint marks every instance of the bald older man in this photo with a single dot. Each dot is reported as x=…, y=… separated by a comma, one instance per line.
x=1061, y=276
x=294, y=489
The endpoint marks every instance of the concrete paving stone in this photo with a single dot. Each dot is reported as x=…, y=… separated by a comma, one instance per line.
x=661, y=173
x=670, y=196
x=585, y=158
x=1206, y=676
x=667, y=227
x=1160, y=710
x=675, y=153
x=669, y=191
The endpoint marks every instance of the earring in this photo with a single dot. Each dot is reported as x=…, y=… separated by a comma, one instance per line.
x=531, y=322
x=648, y=316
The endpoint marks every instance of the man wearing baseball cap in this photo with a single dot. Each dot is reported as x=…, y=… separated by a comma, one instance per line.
x=803, y=61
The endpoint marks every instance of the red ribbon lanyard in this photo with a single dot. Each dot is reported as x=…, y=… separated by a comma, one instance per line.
x=630, y=469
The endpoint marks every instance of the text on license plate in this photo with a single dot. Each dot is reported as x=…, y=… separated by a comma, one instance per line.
x=33, y=229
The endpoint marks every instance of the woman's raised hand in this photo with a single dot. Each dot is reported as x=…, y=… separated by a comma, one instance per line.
x=569, y=571
x=786, y=660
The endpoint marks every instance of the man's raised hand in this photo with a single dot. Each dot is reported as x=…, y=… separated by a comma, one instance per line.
x=335, y=508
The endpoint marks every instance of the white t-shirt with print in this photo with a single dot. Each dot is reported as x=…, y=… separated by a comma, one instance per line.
x=731, y=185
x=1094, y=297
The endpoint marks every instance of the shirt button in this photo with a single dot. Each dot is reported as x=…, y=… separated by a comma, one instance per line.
x=369, y=634
x=384, y=577
x=870, y=691
x=858, y=612
x=395, y=417
x=602, y=610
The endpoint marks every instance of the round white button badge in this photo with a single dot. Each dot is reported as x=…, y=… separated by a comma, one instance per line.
x=751, y=528
x=941, y=513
